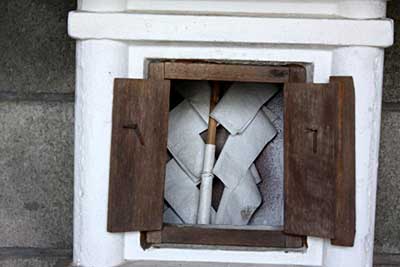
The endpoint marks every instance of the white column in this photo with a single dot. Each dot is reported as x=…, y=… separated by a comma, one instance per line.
x=362, y=9
x=98, y=63
x=365, y=64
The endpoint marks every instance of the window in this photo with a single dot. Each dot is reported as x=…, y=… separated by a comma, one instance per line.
x=319, y=157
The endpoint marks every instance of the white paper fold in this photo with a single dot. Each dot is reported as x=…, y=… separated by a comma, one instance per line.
x=181, y=193
x=184, y=140
x=171, y=217
x=242, y=113
x=198, y=94
x=240, y=104
x=256, y=175
x=241, y=150
x=238, y=204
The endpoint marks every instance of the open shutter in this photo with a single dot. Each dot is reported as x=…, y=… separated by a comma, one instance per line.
x=138, y=155
x=320, y=160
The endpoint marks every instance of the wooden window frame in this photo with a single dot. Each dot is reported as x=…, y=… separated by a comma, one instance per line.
x=172, y=235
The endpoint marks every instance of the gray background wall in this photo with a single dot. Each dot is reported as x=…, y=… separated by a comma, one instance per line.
x=36, y=138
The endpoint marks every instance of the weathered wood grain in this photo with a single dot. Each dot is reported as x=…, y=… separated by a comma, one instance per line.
x=192, y=235
x=320, y=160
x=225, y=72
x=138, y=155
x=345, y=180
x=310, y=155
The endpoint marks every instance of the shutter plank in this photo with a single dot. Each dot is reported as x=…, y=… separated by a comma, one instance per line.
x=320, y=160
x=225, y=72
x=310, y=156
x=345, y=181
x=138, y=155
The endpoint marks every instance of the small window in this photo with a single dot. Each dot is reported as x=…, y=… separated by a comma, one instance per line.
x=293, y=142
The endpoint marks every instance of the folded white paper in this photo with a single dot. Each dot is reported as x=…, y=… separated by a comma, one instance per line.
x=198, y=94
x=184, y=140
x=256, y=175
x=238, y=204
x=270, y=114
x=181, y=193
x=241, y=150
x=240, y=104
x=171, y=217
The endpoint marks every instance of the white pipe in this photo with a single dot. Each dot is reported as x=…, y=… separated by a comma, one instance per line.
x=204, y=212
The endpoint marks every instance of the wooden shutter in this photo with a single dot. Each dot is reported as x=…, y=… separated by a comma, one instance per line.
x=319, y=159
x=138, y=154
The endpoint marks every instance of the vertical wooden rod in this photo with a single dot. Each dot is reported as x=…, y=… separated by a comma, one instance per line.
x=204, y=209
x=212, y=123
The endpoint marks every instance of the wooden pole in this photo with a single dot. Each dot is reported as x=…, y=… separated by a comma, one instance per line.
x=212, y=123
x=204, y=211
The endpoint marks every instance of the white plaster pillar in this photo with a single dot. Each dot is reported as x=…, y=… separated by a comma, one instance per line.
x=98, y=63
x=365, y=64
x=362, y=9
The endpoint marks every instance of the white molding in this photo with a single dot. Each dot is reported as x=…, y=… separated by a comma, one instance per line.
x=232, y=30
x=360, y=9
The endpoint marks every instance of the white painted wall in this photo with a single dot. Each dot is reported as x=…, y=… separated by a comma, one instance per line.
x=119, y=45
x=358, y=9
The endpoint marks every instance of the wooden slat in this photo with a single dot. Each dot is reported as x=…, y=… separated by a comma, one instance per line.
x=138, y=155
x=225, y=72
x=345, y=180
x=192, y=235
x=156, y=71
x=297, y=74
x=310, y=159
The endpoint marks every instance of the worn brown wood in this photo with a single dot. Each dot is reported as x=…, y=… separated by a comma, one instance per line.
x=345, y=180
x=192, y=235
x=310, y=159
x=212, y=123
x=225, y=72
x=297, y=74
x=320, y=160
x=156, y=71
x=138, y=155
x=293, y=241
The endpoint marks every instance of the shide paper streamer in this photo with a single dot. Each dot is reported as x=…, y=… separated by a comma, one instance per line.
x=241, y=112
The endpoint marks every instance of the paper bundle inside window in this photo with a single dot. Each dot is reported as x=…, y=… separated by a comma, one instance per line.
x=242, y=112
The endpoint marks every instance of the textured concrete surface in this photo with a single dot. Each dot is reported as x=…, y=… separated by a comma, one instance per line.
x=36, y=262
x=385, y=260
x=391, y=91
x=37, y=66
x=387, y=227
x=387, y=233
x=36, y=162
x=35, y=51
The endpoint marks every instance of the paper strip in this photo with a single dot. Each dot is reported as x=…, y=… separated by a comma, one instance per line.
x=238, y=204
x=198, y=94
x=256, y=175
x=241, y=150
x=240, y=104
x=171, y=217
x=181, y=193
x=184, y=140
